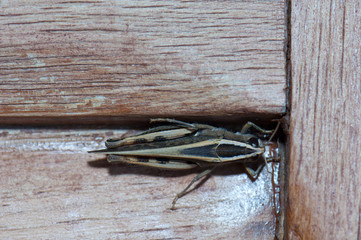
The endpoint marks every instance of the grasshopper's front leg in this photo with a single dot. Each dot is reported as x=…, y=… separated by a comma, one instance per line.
x=254, y=173
x=248, y=125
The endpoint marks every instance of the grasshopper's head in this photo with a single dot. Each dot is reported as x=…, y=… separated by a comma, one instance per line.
x=271, y=151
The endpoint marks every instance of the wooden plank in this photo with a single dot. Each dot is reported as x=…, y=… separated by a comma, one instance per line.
x=62, y=61
x=52, y=188
x=324, y=176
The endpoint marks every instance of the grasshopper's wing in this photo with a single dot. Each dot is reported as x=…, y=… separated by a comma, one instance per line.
x=200, y=149
x=157, y=134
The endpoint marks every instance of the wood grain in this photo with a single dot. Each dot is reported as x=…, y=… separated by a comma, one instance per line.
x=108, y=61
x=69, y=60
x=324, y=176
x=51, y=188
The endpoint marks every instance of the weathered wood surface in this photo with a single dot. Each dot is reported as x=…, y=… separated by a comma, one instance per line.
x=64, y=61
x=51, y=188
x=101, y=61
x=324, y=176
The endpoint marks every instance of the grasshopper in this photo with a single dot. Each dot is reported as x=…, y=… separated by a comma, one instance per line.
x=182, y=145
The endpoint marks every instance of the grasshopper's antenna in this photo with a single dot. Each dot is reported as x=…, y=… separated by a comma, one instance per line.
x=275, y=131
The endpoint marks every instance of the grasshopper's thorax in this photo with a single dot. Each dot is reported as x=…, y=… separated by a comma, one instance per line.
x=230, y=150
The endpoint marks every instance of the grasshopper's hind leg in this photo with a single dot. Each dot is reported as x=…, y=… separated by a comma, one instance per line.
x=169, y=120
x=195, y=179
x=181, y=123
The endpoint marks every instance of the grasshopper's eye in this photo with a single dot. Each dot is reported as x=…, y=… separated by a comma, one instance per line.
x=253, y=141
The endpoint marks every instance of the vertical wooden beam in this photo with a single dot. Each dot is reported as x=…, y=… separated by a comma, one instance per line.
x=324, y=176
